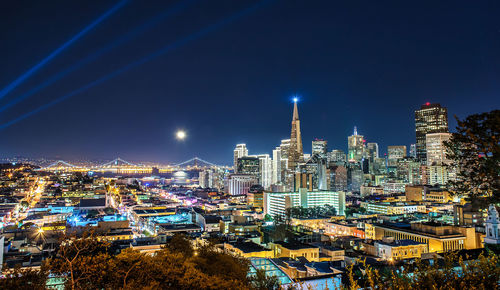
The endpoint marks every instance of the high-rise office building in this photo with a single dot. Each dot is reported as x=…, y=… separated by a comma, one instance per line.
x=354, y=179
x=409, y=171
x=295, y=152
x=276, y=164
x=312, y=174
x=277, y=203
x=372, y=149
x=338, y=178
x=413, y=150
x=337, y=157
x=212, y=178
x=285, y=148
x=436, y=151
x=430, y=118
x=355, y=144
x=239, y=184
x=265, y=170
x=240, y=151
x=280, y=162
x=395, y=153
x=249, y=165
x=319, y=147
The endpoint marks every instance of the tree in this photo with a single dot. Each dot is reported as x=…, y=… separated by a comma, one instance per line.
x=260, y=281
x=475, y=152
x=20, y=279
x=181, y=244
x=82, y=260
x=453, y=273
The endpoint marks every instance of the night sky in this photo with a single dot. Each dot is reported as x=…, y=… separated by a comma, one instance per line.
x=363, y=63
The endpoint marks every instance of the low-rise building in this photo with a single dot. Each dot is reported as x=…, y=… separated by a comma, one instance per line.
x=438, y=237
x=295, y=250
x=390, y=249
x=338, y=229
x=248, y=250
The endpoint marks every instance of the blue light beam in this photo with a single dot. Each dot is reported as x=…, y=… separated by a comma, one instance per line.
x=117, y=42
x=47, y=59
x=141, y=61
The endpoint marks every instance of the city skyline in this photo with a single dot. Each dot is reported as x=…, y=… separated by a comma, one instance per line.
x=235, y=83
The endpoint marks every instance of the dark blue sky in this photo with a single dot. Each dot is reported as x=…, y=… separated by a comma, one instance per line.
x=364, y=63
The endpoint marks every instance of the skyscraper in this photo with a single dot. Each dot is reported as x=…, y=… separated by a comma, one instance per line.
x=436, y=151
x=295, y=152
x=355, y=146
x=413, y=150
x=276, y=177
x=395, y=153
x=431, y=118
x=372, y=149
x=265, y=170
x=240, y=151
x=337, y=156
x=249, y=165
x=319, y=147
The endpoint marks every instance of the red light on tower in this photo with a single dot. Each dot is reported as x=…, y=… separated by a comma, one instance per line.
x=427, y=104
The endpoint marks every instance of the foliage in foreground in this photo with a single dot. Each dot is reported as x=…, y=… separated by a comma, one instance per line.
x=87, y=264
x=453, y=273
x=475, y=152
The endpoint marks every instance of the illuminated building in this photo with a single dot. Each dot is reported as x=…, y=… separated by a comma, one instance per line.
x=372, y=151
x=430, y=118
x=390, y=249
x=285, y=148
x=414, y=193
x=276, y=203
x=437, y=195
x=355, y=178
x=295, y=250
x=436, y=151
x=366, y=190
x=467, y=215
x=239, y=184
x=212, y=178
x=338, y=157
x=311, y=175
x=338, y=178
x=394, y=187
x=295, y=152
x=413, y=150
x=408, y=170
x=355, y=147
x=395, y=153
x=338, y=229
x=240, y=151
x=255, y=196
x=492, y=226
x=265, y=170
x=248, y=250
x=390, y=208
x=319, y=147
x=355, y=144
x=249, y=165
x=276, y=163
x=438, y=237
x=438, y=174
x=204, y=179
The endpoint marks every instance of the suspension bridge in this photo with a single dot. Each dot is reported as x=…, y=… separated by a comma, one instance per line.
x=119, y=165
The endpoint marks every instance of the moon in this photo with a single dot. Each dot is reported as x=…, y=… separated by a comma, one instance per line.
x=180, y=135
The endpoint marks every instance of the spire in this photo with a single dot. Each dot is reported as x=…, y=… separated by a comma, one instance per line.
x=355, y=130
x=295, y=110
